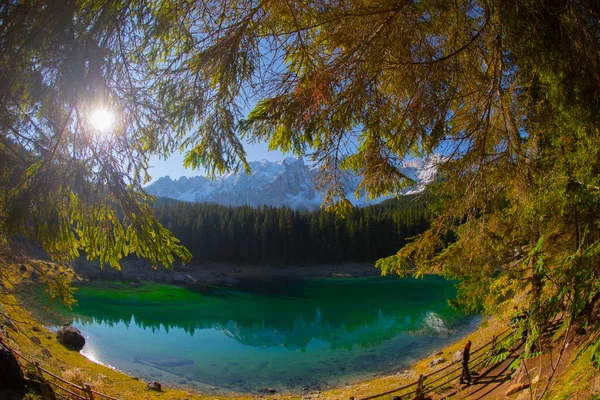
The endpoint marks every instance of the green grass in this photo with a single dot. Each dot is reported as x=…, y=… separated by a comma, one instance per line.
x=577, y=381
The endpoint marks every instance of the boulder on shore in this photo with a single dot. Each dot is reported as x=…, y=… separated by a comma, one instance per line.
x=70, y=337
x=10, y=324
x=457, y=357
x=436, y=362
x=154, y=385
x=11, y=375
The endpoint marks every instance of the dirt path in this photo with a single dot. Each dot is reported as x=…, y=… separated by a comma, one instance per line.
x=489, y=384
x=494, y=381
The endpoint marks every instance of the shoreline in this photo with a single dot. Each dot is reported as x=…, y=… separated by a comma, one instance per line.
x=117, y=379
x=363, y=387
x=228, y=275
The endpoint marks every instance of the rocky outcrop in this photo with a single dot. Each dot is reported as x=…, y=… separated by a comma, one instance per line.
x=11, y=375
x=70, y=337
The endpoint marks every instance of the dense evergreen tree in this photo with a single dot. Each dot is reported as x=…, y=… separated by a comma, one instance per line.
x=282, y=236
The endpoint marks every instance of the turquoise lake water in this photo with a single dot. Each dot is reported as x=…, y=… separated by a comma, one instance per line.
x=288, y=335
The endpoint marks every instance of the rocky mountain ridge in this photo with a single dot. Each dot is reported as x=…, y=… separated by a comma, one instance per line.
x=289, y=182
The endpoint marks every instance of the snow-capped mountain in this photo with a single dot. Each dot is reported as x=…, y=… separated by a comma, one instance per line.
x=285, y=183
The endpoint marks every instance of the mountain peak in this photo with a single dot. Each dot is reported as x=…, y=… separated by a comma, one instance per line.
x=288, y=182
x=293, y=160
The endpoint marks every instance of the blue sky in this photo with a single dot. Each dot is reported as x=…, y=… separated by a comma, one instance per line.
x=173, y=166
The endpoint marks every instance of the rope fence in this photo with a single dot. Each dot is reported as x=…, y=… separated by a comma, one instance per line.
x=421, y=388
x=70, y=391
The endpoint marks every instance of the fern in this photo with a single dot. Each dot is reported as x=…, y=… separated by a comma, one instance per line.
x=498, y=358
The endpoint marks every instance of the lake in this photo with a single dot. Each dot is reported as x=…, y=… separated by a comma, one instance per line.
x=288, y=335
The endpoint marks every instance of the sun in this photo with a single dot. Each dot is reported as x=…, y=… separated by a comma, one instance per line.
x=102, y=120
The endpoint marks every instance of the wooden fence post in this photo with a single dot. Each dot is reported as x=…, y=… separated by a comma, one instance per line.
x=88, y=391
x=419, y=394
x=493, y=344
x=44, y=385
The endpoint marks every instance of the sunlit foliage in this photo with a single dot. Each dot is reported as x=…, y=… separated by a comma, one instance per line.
x=508, y=92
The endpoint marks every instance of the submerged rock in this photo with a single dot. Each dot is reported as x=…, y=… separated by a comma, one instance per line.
x=164, y=362
x=70, y=337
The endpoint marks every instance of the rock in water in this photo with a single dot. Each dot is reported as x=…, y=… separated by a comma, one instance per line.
x=154, y=385
x=70, y=337
x=11, y=375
